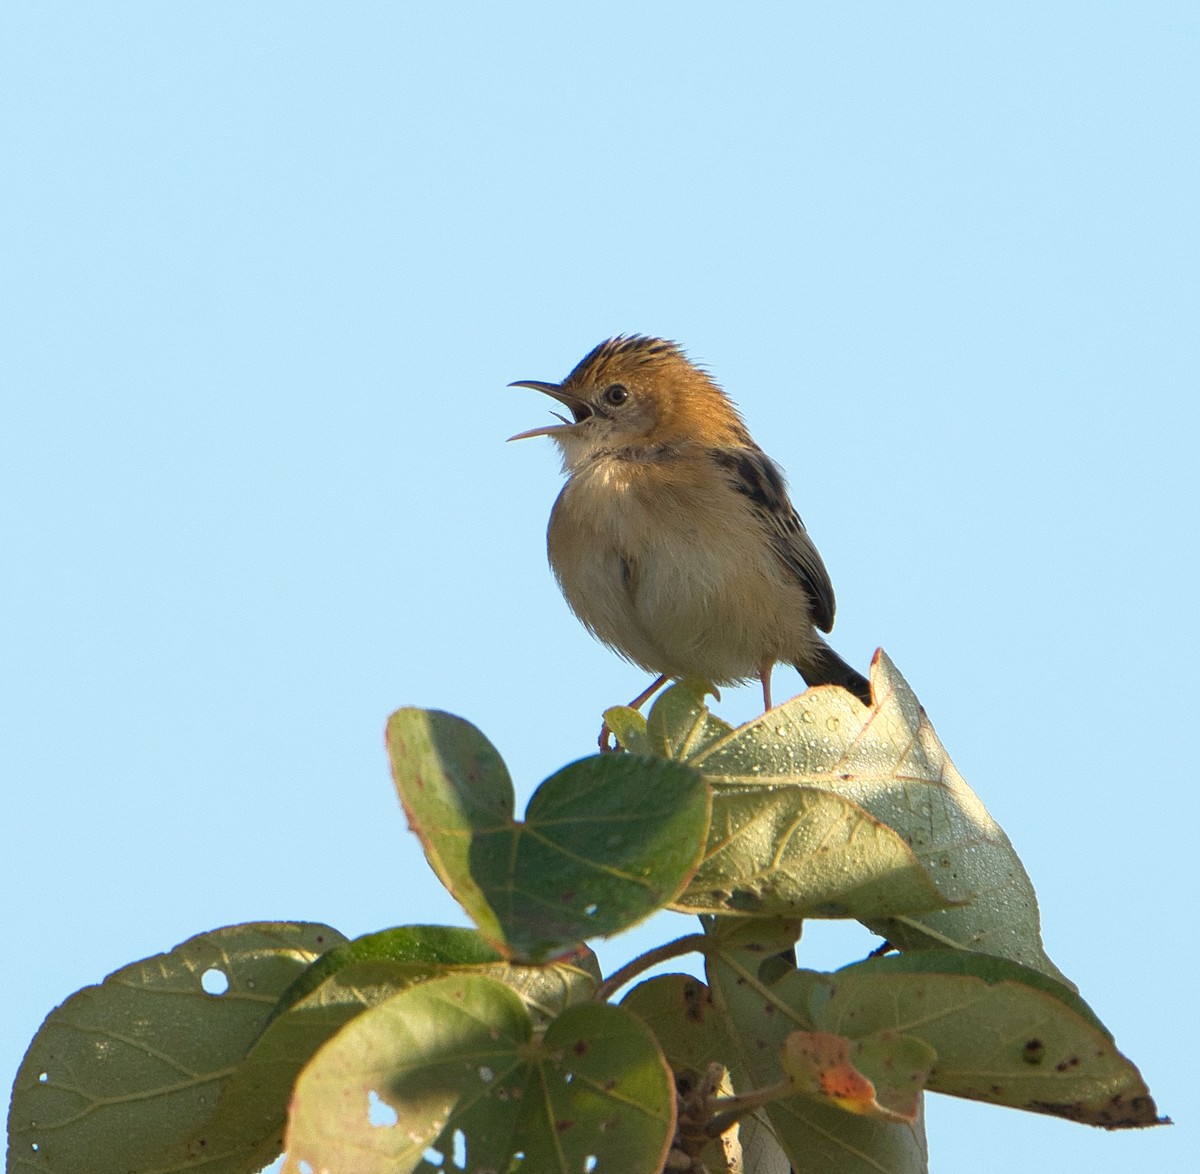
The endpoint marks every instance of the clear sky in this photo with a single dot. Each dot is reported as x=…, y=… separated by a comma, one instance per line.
x=267, y=269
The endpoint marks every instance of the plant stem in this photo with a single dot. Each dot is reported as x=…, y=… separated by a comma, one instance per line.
x=688, y=944
x=731, y=1109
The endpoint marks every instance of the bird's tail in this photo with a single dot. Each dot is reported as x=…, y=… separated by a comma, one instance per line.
x=825, y=667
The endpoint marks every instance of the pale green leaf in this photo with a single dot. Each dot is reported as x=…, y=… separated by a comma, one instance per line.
x=122, y=1075
x=453, y=1064
x=887, y=760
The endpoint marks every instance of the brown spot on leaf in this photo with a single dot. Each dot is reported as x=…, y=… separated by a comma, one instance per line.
x=695, y=998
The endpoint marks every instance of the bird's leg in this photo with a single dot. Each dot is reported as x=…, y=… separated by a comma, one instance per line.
x=636, y=703
x=764, y=675
x=646, y=694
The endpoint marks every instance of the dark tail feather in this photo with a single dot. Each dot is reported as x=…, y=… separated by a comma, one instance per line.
x=827, y=668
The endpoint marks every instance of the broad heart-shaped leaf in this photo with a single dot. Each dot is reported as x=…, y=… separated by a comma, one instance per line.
x=818, y=1137
x=121, y=1075
x=880, y=1075
x=1002, y=1032
x=789, y=851
x=606, y=841
x=343, y=983
x=887, y=760
x=449, y=1074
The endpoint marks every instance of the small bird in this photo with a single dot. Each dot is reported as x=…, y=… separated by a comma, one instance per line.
x=674, y=540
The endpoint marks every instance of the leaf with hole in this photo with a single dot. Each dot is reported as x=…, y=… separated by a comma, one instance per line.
x=342, y=984
x=451, y=1072
x=122, y=1075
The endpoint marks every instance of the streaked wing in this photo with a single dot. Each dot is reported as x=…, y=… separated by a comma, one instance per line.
x=753, y=473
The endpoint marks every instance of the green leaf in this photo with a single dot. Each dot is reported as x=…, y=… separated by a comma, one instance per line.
x=692, y=1034
x=748, y=989
x=606, y=841
x=120, y=1076
x=888, y=761
x=881, y=1075
x=411, y=953
x=797, y=851
x=1002, y=1033
x=456, y=1060
x=342, y=984
x=680, y=725
x=630, y=729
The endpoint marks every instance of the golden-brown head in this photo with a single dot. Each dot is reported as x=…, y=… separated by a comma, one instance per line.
x=633, y=392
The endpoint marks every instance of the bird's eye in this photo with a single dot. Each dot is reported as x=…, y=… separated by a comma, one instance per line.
x=616, y=394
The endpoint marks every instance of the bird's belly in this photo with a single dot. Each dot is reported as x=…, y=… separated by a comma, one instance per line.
x=685, y=608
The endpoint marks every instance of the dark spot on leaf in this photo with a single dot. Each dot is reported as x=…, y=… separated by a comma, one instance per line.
x=1034, y=1051
x=579, y=1047
x=1069, y=1062
x=563, y=1126
x=694, y=1002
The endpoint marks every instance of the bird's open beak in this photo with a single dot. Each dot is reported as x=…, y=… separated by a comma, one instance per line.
x=579, y=408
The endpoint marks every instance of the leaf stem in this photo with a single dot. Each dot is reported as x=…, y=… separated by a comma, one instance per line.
x=731, y=1109
x=688, y=944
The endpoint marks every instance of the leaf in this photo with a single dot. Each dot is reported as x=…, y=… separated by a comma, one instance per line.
x=797, y=851
x=629, y=727
x=693, y=1036
x=342, y=984
x=680, y=725
x=818, y=1138
x=1002, y=1032
x=121, y=1075
x=881, y=1075
x=677, y=1008
x=396, y=957
x=888, y=761
x=606, y=841
x=450, y=1073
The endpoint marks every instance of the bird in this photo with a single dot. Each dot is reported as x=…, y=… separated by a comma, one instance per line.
x=674, y=540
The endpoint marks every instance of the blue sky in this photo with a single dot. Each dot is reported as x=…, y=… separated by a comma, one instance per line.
x=268, y=269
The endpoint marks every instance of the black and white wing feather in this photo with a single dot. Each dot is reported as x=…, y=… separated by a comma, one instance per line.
x=754, y=474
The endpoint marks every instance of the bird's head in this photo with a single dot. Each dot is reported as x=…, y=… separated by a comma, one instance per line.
x=635, y=391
